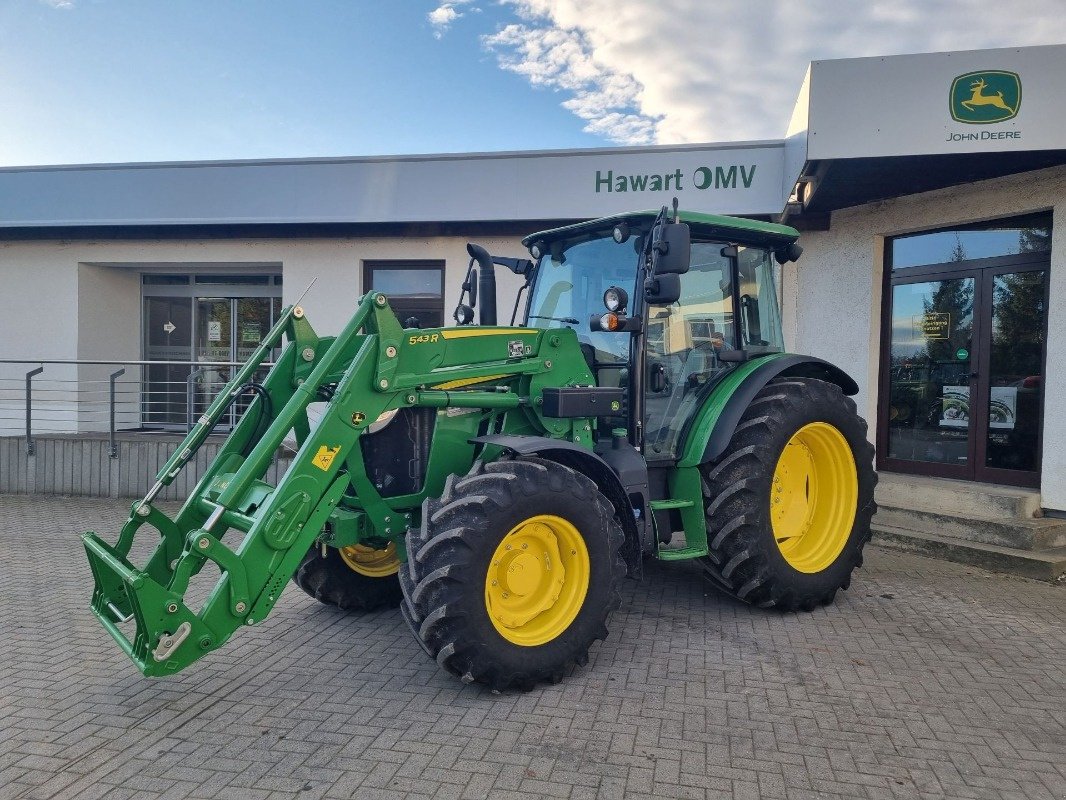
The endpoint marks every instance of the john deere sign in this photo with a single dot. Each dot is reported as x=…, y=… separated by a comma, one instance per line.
x=980, y=98
x=932, y=103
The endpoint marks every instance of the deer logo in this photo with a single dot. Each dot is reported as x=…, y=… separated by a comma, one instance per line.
x=980, y=98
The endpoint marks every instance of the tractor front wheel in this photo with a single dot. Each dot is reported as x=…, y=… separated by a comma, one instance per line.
x=357, y=578
x=513, y=574
x=789, y=503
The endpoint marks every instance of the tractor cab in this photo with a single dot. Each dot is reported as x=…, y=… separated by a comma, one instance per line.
x=664, y=306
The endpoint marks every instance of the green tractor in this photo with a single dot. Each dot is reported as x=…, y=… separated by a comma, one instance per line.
x=498, y=482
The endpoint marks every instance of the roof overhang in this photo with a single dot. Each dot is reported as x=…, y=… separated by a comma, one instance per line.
x=831, y=185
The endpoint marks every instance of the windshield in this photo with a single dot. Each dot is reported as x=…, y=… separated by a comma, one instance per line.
x=569, y=285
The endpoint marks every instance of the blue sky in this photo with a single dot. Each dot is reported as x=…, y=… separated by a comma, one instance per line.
x=143, y=80
x=106, y=80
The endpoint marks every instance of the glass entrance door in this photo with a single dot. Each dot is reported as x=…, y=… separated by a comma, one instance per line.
x=962, y=396
x=228, y=331
x=213, y=345
x=205, y=323
x=929, y=366
x=1011, y=399
x=168, y=339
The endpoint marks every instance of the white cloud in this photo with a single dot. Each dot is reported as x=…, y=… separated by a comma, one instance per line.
x=59, y=3
x=677, y=71
x=442, y=17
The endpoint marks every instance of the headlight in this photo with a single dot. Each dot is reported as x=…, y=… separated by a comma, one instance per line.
x=615, y=299
x=536, y=250
x=464, y=314
x=609, y=322
x=621, y=232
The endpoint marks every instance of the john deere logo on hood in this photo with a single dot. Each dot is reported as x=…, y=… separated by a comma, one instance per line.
x=980, y=98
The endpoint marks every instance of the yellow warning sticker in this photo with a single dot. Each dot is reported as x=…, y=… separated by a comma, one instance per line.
x=324, y=457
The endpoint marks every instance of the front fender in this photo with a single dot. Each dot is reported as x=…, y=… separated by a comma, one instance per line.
x=713, y=426
x=620, y=473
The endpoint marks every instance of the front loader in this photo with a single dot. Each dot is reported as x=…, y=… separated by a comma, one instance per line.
x=498, y=482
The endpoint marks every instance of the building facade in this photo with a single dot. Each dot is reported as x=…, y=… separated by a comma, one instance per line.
x=930, y=191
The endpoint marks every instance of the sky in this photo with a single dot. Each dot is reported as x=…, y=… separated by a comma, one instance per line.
x=92, y=81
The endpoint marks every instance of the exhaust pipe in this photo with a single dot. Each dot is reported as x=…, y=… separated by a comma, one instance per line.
x=486, y=284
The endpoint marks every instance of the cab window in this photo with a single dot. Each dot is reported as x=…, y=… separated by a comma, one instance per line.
x=683, y=341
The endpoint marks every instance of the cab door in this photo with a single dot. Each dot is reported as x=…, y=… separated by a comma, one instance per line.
x=691, y=344
x=682, y=346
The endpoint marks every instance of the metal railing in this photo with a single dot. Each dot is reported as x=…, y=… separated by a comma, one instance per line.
x=96, y=396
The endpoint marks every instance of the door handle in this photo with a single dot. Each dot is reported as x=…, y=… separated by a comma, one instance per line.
x=974, y=375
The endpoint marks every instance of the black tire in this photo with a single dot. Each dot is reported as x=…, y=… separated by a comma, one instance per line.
x=744, y=559
x=449, y=558
x=332, y=582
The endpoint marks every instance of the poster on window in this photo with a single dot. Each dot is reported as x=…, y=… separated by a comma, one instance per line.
x=955, y=407
x=1002, y=407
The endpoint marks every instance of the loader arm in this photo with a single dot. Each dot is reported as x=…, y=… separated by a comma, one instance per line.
x=371, y=368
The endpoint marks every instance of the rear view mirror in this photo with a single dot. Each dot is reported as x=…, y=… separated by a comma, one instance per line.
x=673, y=250
x=662, y=290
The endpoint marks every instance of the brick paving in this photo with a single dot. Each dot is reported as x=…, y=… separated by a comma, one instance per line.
x=926, y=679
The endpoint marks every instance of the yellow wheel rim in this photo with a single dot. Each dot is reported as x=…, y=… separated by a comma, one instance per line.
x=370, y=562
x=537, y=580
x=814, y=496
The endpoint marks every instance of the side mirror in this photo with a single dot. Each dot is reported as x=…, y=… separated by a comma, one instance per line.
x=673, y=250
x=662, y=290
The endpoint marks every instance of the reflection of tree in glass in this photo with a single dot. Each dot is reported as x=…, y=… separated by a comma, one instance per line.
x=1034, y=240
x=1017, y=333
x=958, y=252
x=954, y=298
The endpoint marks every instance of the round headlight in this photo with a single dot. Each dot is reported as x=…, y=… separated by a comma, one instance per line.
x=464, y=314
x=615, y=299
x=621, y=232
x=535, y=250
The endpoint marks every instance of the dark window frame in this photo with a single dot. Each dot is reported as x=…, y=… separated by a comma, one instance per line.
x=402, y=305
x=983, y=271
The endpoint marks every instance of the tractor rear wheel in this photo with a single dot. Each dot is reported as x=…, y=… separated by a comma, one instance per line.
x=357, y=578
x=514, y=572
x=789, y=503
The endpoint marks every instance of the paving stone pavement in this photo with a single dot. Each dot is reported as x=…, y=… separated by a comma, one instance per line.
x=925, y=679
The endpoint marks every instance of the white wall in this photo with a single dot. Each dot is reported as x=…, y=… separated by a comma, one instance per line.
x=39, y=286
x=832, y=305
x=69, y=300
x=109, y=329
x=336, y=266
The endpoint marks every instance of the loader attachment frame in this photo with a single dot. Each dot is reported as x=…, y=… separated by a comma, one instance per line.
x=372, y=367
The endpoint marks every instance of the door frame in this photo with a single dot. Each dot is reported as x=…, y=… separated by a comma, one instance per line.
x=983, y=272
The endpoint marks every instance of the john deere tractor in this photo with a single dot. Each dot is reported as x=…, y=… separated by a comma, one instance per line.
x=497, y=482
